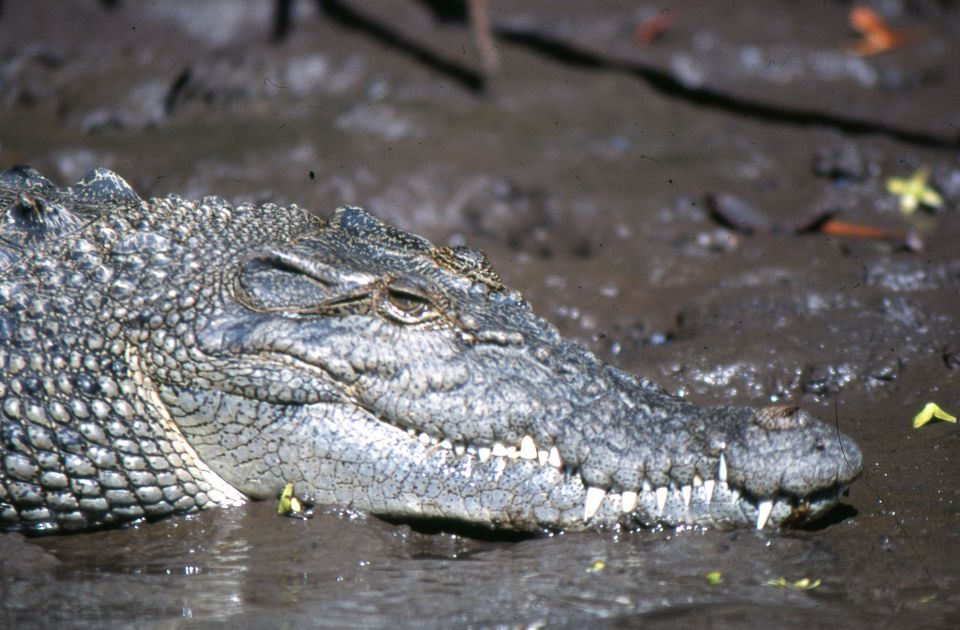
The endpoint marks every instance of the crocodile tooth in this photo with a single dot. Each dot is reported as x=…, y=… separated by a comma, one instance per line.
x=528, y=450
x=483, y=453
x=697, y=481
x=594, y=499
x=722, y=468
x=685, y=491
x=647, y=487
x=708, y=489
x=662, y=493
x=499, y=450
x=459, y=449
x=763, y=512
x=542, y=457
x=629, y=500
x=512, y=452
x=447, y=444
x=554, y=458
x=424, y=439
x=411, y=432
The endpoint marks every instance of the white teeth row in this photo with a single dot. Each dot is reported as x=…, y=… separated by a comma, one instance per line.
x=708, y=489
x=630, y=499
x=763, y=512
x=662, y=493
x=595, y=497
x=528, y=449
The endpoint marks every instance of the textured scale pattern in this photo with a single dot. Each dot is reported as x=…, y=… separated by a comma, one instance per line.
x=164, y=356
x=85, y=440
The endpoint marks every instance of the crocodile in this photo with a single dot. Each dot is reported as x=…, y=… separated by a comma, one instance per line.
x=164, y=356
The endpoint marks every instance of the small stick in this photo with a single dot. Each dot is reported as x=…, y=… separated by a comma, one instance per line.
x=483, y=36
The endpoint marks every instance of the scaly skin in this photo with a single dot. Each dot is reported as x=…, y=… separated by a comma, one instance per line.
x=165, y=356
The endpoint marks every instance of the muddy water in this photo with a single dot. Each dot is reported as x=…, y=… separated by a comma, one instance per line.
x=585, y=183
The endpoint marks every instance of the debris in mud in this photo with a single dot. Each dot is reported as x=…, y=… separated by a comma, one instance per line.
x=914, y=192
x=903, y=239
x=736, y=214
x=289, y=505
x=803, y=584
x=482, y=30
x=876, y=36
x=651, y=29
x=929, y=412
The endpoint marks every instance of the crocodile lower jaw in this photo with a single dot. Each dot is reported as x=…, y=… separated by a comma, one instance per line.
x=702, y=502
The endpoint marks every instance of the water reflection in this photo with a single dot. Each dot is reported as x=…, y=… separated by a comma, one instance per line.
x=249, y=567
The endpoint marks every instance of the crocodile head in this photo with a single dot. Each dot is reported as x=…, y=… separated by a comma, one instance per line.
x=380, y=372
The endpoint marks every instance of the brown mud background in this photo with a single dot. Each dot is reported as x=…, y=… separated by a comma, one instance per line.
x=582, y=168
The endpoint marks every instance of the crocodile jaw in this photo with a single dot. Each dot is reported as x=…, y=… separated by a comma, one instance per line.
x=503, y=487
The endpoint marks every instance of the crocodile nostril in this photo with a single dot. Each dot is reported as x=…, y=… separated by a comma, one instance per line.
x=778, y=417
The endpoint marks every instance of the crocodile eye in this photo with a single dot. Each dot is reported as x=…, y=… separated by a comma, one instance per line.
x=408, y=304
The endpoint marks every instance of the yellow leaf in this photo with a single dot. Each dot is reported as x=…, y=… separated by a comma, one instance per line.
x=597, y=566
x=803, y=584
x=930, y=411
x=914, y=191
x=806, y=584
x=931, y=198
x=714, y=578
x=288, y=503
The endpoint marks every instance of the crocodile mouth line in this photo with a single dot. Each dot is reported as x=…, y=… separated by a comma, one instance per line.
x=678, y=497
x=656, y=499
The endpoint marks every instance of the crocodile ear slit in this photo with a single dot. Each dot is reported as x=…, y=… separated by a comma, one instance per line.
x=28, y=220
x=40, y=211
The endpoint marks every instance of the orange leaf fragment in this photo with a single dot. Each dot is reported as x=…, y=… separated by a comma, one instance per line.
x=652, y=28
x=876, y=35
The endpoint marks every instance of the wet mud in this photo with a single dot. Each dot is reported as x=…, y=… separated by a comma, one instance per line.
x=584, y=168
